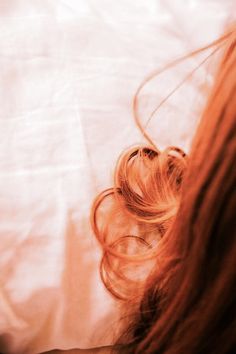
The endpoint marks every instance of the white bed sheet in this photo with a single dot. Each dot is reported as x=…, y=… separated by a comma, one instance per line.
x=69, y=70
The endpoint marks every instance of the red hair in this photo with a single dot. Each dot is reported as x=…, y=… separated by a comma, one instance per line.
x=182, y=213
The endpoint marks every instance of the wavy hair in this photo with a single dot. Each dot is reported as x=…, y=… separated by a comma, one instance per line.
x=167, y=230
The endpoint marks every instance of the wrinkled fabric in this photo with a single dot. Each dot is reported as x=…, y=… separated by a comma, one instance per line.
x=69, y=70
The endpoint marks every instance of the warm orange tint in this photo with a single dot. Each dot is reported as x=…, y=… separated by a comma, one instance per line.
x=187, y=305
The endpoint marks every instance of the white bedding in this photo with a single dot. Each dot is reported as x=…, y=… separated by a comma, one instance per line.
x=68, y=73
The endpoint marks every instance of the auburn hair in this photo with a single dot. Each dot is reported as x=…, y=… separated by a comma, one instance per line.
x=167, y=229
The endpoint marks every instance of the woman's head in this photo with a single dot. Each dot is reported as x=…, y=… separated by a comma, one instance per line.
x=189, y=205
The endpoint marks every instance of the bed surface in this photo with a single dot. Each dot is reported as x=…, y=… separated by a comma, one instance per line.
x=69, y=70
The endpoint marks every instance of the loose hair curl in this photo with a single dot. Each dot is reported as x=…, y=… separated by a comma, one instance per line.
x=180, y=213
